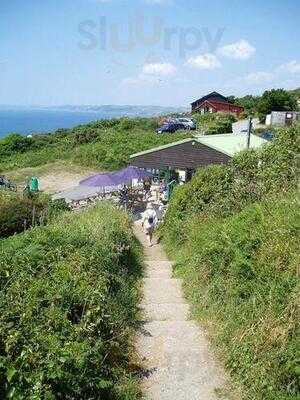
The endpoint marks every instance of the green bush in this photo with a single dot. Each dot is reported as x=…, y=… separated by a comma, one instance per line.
x=18, y=213
x=240, y=274
x=250, y=176
x=214, y=123
x=233, y=233
x=68, y=299
x=101, y=144
x=14, y=143
x=275, y=100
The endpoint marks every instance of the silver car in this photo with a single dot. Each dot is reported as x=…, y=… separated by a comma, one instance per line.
x=187, y=122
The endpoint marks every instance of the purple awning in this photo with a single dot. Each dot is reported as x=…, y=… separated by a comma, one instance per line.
x=115, y=179
x=129, y=173
x=100, y=180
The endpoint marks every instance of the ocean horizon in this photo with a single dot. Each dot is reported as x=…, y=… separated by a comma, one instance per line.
x=30, y=121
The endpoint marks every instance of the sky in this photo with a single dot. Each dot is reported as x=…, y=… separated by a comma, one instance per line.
x=145, y=52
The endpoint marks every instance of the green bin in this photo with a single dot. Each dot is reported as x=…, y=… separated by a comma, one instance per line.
x=34, y=184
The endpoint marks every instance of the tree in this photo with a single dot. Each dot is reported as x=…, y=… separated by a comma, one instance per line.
x=249, y=103
x=275, y=100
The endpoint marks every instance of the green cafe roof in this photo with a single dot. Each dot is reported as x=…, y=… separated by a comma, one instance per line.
x=227, y=143
x=231, y=144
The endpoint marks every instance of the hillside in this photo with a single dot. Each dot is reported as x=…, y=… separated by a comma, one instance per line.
x=104, y=144
x=68, y=300
x=233, y=234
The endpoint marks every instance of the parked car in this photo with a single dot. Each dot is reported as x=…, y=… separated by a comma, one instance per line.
x=170, y=127
x=188, y=123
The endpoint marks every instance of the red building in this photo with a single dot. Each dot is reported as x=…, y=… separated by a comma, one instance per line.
x=215, y=102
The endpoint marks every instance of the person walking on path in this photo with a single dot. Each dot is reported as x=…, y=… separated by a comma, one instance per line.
x=149, y=222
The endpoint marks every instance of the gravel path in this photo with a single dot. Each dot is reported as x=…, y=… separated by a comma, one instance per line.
x=175, y=352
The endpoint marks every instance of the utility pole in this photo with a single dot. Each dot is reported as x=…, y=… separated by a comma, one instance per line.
x=249, y=132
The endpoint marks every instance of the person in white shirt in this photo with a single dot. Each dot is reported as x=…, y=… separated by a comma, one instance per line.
x=149, y=222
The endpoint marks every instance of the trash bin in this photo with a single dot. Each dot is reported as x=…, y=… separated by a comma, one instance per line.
x=34, y=184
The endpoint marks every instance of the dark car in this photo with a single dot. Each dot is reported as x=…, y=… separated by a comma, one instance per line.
x=170, y=127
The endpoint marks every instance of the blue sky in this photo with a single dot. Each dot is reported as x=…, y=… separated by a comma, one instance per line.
x=160, y=52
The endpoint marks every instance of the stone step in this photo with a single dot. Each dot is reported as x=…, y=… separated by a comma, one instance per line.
x=187, y=373
x=166, y=311
x=158, y=269
x=162, y=290
x=162, y=263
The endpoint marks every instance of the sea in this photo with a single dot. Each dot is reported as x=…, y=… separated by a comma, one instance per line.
x=27, y=122
x=30, y=121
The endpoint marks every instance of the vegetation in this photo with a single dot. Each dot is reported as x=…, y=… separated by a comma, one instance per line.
x=271, y=100
x=214, y=123
x=249, y=103
x=18, y=212
x=68, y=298
x=104, y=145
x=233, y=232
x=276, y=100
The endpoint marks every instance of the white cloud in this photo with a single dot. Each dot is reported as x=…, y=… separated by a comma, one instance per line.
x=292, y=67
x=152, y=73
x=259, y=77
x=204, y=61
x=241, y=50
x=159, y=69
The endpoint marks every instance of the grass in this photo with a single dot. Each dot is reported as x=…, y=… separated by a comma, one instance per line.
x=69, y=297
x=233, y=234
x=240, y=275
x=92, y=146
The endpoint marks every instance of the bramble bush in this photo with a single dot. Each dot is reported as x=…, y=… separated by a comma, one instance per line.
x=214, y=123
x=233, y=231
x=240, y=274
x=18, y=212
x=68, y=299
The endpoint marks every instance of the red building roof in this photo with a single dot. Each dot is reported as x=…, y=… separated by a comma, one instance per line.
x=217, y=102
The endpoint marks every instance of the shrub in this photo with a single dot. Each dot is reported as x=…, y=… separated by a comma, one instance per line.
x=215, y=123
x=101, y=144
x=68, y=298
x=86, y=135
x=14, y=143
x=18, y=213
x=233, y=232
x=276, y=100
x=241, y=277
x=250, y=176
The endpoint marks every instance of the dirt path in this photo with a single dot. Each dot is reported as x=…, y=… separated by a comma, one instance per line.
x=175, y=351
x=54, y=177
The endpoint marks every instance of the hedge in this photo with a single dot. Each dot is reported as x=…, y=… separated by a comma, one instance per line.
x=18, y=212
x=233, y=232
x=241, y=276
x=68, y=301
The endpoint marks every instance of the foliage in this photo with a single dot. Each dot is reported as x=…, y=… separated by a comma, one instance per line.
x=275, y=100
x=18, y=213
x=14, y=143
x=249, y=103
x=103, y=144
x=214, y=123
x=233, y=230
x=296, y=93
x=240, y=275
x=68, y=298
